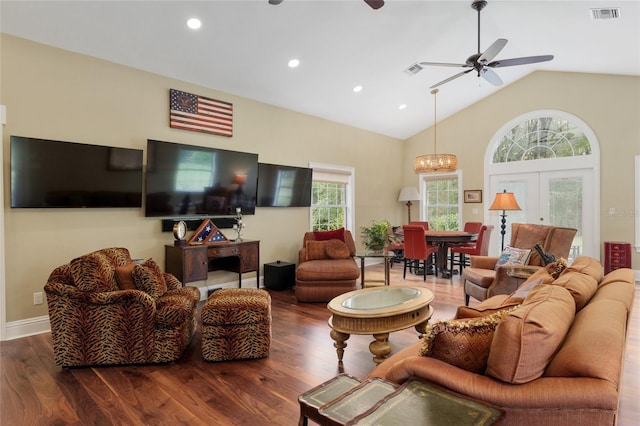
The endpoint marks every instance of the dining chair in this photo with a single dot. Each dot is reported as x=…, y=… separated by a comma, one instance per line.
x=425, y=225
x=478, y=248
x=416, y=250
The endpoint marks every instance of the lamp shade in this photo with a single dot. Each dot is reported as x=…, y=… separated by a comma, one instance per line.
x=408, y=193
x=505, y=201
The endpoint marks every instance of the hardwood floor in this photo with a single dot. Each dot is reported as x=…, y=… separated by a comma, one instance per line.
x=33, y=390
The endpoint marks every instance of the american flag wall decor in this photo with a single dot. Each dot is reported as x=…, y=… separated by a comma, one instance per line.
x=200, y=114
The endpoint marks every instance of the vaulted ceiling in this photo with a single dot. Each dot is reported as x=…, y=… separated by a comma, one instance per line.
x=243, y=48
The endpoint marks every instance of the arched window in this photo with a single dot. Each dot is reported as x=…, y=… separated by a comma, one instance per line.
x=539, y=138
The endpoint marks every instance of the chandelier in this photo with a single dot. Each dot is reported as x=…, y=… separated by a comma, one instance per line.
x=433, y=163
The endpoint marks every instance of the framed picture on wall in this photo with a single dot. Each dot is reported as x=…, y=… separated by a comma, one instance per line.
x=473, y=196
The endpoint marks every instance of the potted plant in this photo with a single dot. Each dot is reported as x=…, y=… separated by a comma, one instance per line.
x=376, y=237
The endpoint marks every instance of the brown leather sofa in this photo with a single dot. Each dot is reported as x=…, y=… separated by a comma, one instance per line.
x=325, y=271
x=556, y=359
x=105, y=309
x=482, y=280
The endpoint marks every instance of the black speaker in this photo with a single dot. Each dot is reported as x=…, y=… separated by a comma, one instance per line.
x=192, y=224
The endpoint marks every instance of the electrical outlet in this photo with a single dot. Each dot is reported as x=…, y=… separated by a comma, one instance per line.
x=38, y=298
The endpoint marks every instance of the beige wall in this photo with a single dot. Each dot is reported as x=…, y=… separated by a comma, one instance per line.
x=56, y=94
x=608, y=104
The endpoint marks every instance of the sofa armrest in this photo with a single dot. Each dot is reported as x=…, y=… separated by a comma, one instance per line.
x=302, y=255
x=484, y=262
x=75, y=295
x=542, y=393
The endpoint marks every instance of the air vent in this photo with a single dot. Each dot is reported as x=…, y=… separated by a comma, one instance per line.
x=414, y=69
x=605, y=13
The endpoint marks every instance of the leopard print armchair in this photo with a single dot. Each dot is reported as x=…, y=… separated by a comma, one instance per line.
x=105, y=309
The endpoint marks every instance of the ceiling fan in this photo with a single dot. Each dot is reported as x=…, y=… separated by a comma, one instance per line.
x=375, y=4
x=481, y=62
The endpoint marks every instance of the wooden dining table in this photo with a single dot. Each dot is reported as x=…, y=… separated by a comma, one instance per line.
x=442, y=239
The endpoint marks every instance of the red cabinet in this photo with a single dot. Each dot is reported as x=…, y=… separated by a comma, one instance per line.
x=616, y=255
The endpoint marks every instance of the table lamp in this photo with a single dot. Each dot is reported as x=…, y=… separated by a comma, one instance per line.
x=504, y=201
x=408, y=194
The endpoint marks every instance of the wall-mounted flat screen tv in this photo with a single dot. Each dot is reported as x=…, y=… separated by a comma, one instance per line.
x=284, y=186
x=57, y=174
x=196, y=181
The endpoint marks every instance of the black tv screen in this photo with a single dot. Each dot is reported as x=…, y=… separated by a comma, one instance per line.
x=57, y=174
x=195, y=181
x=284, y=186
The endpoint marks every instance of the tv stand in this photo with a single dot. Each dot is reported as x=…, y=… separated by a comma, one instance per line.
x=193, y=262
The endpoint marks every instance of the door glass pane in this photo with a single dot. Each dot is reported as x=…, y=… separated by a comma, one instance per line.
x=565, y=208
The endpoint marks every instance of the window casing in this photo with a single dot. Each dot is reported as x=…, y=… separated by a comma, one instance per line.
x=332, y=197
x=441, y=195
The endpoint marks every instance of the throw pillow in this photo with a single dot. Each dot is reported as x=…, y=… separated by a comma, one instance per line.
x=315, y=249
x=148, y=278
x=124, y=277
x=582, y=287
x=462, y=343
x=335, y=234
x=528, y=337
x=513, y=256
x=336, y=249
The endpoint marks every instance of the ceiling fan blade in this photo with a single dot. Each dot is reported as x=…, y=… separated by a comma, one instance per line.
x=491, y=76
x=375, y=4
x=460, y=74
x=443, y=64
x=520, y=61
x=493, y=50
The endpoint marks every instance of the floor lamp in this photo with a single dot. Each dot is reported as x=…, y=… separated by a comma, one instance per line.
x=504, y=201
x=408, y=194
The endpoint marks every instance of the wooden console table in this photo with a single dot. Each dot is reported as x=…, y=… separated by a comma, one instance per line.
x=193, y=262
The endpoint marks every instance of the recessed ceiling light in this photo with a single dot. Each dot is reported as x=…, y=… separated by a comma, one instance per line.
x=194, y=23
x=403, y=106
x=357, y=89
x=293, y=63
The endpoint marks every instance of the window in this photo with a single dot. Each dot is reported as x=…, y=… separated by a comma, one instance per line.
x=442, y=200
x=540, y=138
x=331, y=197
x=328, y=205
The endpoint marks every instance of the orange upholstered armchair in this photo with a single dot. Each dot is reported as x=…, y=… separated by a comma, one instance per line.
x=326, y=267
x=483, y=280
x=105, y=309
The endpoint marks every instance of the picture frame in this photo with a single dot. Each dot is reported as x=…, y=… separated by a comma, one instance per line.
x=473, y=196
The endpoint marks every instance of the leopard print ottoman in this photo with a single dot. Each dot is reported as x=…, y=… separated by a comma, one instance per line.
x=236, y=324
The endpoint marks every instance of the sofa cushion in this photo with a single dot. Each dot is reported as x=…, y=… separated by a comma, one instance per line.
x=462, y=343
x=582, y=287
x=594, y=347
x=617, y=285
x=334, y=234
x=528, y=337
x=585, y=265
x=315, y=249
x=124, y=277
x=513, y=256
x=328, y=270
x=479, y=276
x=148, y=278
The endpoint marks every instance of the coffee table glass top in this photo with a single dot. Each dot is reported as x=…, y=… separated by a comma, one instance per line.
x=383, y=253
x=383, y=298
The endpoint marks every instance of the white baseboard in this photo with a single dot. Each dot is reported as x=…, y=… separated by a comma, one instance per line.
x=39, y=325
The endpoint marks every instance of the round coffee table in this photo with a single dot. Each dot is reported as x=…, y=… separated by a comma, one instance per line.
x=378, y=311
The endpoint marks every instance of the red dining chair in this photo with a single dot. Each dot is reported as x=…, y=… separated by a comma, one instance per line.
x=479, y=248
x=416, y=250
x=425, y=225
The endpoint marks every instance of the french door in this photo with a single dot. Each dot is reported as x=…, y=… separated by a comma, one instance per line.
x=557, y=197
